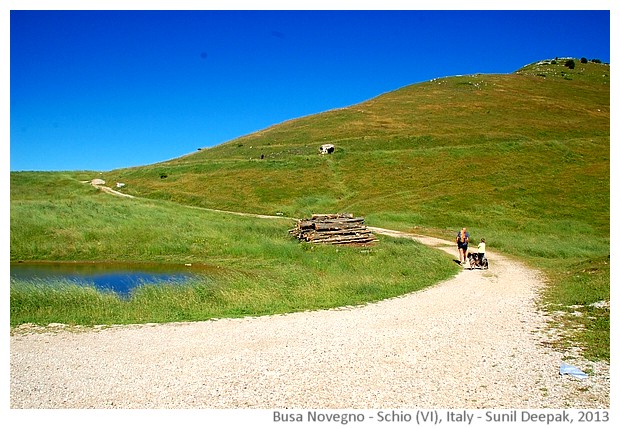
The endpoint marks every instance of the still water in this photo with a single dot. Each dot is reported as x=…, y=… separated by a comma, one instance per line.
x=118, y=277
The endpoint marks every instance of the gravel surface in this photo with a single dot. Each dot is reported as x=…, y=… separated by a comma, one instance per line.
x=474, y=341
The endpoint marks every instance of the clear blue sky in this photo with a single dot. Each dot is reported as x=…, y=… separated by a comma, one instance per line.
x=98, y=90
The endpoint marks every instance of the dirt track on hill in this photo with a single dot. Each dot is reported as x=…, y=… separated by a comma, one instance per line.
x=474, y=341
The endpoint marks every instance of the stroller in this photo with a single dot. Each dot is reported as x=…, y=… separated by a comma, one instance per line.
x=477, y=260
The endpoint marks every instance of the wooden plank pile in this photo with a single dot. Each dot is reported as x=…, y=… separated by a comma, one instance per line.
x=340, y=228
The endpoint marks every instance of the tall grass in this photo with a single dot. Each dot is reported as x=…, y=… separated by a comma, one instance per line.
x=263, y=269
x=310, y=278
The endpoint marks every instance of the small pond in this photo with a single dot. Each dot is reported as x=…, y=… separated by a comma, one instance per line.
x=118, y=277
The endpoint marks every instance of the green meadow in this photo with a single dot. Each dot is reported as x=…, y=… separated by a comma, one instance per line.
x=521, y=159
x=260, y=268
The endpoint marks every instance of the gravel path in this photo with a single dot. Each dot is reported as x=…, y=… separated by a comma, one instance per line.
x=474, y=341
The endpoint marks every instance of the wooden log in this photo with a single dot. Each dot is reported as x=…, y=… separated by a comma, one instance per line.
x=347, y=241
x=341, y=228
x=339, y=234
x=331, y=216
x=349, y=231
x=305, y=224
x=340, y=220
x=335, y=225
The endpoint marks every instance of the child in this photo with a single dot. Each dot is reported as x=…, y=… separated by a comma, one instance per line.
x=480, y=260
x=481, y=249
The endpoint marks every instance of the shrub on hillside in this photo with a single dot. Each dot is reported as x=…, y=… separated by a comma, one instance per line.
x=570, y=64
x=584, y=60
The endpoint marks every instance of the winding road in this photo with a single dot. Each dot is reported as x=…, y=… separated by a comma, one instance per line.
x=474, y=341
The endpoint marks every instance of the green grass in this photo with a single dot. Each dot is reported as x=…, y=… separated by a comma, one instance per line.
x=580, y=292
x=521, y=159
x=263, y=270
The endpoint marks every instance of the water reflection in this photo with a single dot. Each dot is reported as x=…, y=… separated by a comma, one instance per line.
x=118, y=277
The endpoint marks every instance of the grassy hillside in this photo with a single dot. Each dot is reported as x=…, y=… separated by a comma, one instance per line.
x=507, y=155
x=521, y=159
x=450, y=147
x=256, y=267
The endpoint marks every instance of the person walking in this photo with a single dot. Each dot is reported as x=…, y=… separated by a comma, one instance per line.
x=462, y=240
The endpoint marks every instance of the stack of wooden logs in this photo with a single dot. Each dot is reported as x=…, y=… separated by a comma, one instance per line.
x=340, y=228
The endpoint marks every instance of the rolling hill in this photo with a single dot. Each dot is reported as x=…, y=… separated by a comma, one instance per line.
x=522, y=159
x=466, y=150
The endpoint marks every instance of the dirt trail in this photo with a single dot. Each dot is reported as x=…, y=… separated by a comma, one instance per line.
x=474, y=341
x=111, y=191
